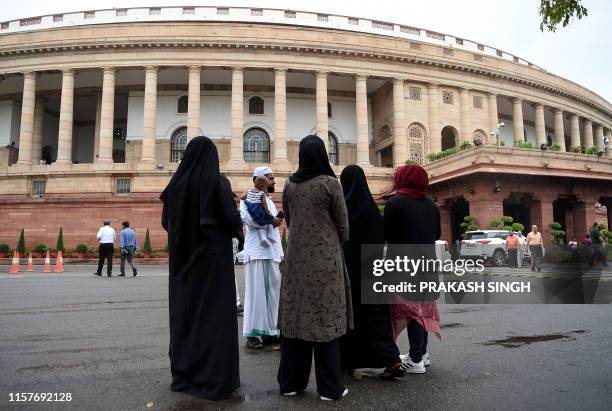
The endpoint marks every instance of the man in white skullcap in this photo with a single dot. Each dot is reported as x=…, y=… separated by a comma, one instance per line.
x=262, y=274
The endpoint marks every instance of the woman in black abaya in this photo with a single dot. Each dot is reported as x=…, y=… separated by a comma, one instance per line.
x=200, y=217
x=370, y=344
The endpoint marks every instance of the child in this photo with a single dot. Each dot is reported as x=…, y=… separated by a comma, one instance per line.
x=257, y=205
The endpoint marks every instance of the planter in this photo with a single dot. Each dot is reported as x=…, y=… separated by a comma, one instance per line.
x=3, y=255
x=146, y=255
x=80, y=255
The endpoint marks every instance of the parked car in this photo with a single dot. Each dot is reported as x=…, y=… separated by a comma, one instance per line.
x=489, y=245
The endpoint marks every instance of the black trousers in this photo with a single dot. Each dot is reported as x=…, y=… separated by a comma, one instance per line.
x=296, y=362
x=417, y=337
x=512, y=257
x=105, y=252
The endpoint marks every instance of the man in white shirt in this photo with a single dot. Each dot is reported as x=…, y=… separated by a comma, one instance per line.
x=106, y=236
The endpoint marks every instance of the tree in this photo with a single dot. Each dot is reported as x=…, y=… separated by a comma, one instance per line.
x=557, y=233
x=146, y=247
x=468, y=224
x=21, y=243
x=59, y=246
x=555, y=12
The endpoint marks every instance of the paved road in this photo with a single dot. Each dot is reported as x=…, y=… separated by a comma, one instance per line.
x=105, y=340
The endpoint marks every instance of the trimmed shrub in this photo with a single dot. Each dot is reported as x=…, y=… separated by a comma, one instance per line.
x=517, y=227
x=146, y=247
x=82, y=248
x=466, y=145
x=469, y=224
x=555, y=147
x=576, y=150
x=21, y=243
x=555, y=230
x=40, y=248
x=60, y=241
x=593, y=150
x=523, y=144
x=4, y=248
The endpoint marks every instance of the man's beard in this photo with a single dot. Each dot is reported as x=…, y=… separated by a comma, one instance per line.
x=270, y=188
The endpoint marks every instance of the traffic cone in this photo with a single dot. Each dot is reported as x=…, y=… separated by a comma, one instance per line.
x=30, y=264
x=59, y=263
x=47, y=268
x=15, y=263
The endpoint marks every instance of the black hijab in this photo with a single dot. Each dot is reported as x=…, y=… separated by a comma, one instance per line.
x=191, y=197
x=365, y=221
x=313, y=160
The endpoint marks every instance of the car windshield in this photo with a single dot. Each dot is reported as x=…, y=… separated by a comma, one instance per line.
x=477, y=235
x=498, y=234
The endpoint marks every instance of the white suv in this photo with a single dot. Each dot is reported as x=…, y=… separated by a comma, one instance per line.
x=489, y=244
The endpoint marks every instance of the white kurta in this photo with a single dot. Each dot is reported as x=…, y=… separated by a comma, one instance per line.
x=262, y=278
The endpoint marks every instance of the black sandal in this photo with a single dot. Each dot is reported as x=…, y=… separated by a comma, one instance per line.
x=393, y=372
x=254, y=343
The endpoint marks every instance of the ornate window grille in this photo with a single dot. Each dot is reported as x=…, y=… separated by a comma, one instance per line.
x=256, y=105
x=178, y=143
x=256, y=146
x=182, y=105
x=333, y=148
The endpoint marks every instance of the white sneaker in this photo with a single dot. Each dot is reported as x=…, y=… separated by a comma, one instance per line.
x=411, y=367
x=426, y=359
x=291, y=394
x=329, y=399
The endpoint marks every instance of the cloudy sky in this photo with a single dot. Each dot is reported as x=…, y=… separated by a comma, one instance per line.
x=581, y=52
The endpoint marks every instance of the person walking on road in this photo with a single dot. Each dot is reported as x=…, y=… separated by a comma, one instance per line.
x=536, y=248
x=127, y=245
x=512, y=245
x=106, y=237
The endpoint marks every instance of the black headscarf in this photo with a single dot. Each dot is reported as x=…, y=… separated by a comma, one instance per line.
x=313, y=160
x=365, y=221
x=194, y=198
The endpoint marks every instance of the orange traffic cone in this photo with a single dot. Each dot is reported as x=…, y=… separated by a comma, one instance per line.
x=47, y=268
x=30, y=264
x=59, y=263
x=15, y=263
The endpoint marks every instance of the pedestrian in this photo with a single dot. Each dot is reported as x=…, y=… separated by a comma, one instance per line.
x=536, y=248
x=512, y=244
x=256, y=203
x=370, y=344
x=201, y=219
x=315, y=304
x=262, y=278
x=573, y=248
x=412, y=218
x=598, y=244
x=106, y=248
x=521, y=249
x=127, y=246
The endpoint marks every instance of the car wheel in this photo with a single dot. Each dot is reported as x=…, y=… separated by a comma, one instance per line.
x=499, y=258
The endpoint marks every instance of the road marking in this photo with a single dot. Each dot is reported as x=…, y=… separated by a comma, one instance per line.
x=12, y=276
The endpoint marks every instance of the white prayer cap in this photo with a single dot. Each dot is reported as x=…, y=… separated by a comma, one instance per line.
x=262, y=171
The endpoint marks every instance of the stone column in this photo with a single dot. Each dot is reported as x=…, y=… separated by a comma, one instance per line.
x=66, y=119
x=107, y=116
x=435, y=136
x=493, y=116
x=599, y=137
x=588, y=133
x=321, y=108
x=575, y=130
x=150, y=111
x=541, y=214
x=466, y=119
x=27, y=118
x=236, y=149
x=280, y=118
x=559, y=131
x=609, y=135
x=361, y=108
x=540, y=127
x=97, y=127
x=585, y=214
x=193, y=103
x=517, y=119
x=400, y=152
x=39, y=116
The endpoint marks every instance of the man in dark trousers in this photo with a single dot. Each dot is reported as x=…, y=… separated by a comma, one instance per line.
x=127, y=245
x=106, y=236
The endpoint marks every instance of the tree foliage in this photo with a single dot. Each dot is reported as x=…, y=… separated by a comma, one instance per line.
x=59, y=245
x=21, y=243
x=146, y=247
x=555, y=12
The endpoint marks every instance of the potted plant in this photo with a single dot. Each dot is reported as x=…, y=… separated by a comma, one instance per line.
x=4, y=250
x=146, y=247
x=81, y=250
x=39, y=250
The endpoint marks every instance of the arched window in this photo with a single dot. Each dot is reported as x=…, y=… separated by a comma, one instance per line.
x=384, y=133
x=182, y=105
x=256, y=105
x=480, y=135
x=449, y=136
x=256, y=146
x=416, y=142
x=178, y=143
x=329, y=110
x=333, y=148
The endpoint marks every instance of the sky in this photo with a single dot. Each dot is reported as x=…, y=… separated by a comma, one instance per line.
x=581, y=52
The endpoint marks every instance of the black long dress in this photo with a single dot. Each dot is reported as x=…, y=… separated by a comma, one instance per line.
x=200, y=217
x=370, y=344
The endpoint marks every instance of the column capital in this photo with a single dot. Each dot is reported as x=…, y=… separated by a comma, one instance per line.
x=109, y=70
x=557, y=111
x=491, y=94
x=151, y=68
x=538, y=106
x=433, y=84
x=30, y=74
x=464, y=89
x=280, y=70
x=588, y=120
x=194, y=68
x=516, y=100
x=321, y=74
x=237, y=68
x=399, y=79
x=574, y=115
x=361, y=77
x=69, y=72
